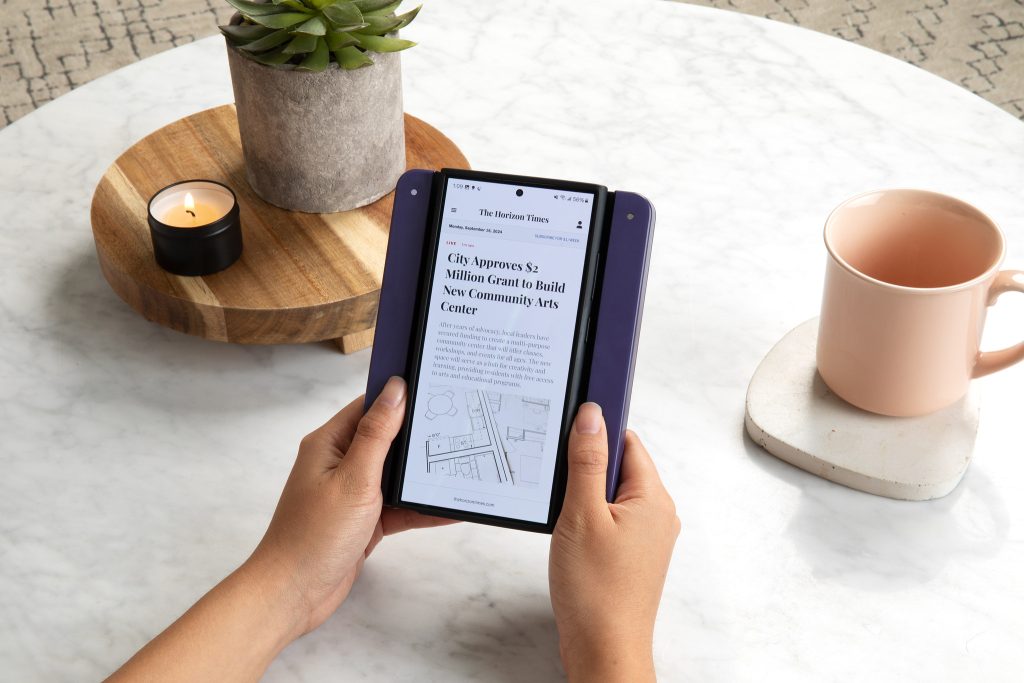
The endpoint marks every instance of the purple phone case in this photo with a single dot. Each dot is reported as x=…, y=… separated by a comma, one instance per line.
x=619, y=312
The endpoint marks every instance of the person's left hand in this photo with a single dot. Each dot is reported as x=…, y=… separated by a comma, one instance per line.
x=330, y=516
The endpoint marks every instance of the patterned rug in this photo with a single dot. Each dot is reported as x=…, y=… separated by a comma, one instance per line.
x=48, y=47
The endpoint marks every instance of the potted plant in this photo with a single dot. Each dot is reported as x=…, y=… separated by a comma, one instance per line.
x=318, y=89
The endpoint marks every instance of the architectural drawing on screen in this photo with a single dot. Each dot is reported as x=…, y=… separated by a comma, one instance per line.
x=488, y=436
x=441, y=404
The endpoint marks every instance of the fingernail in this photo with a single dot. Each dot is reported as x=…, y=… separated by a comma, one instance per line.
x=588, y=420
x=393, y=393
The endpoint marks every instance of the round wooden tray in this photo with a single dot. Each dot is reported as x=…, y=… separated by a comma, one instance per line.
x=302, y=277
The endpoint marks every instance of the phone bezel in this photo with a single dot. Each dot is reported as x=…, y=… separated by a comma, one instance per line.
x=584, y=320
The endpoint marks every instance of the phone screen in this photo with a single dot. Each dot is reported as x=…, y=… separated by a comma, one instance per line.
x=502, y=321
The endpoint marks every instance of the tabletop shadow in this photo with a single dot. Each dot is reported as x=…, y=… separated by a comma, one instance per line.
x=507, y=643
x=120, y=356
x=516, y=643
x=881, y=544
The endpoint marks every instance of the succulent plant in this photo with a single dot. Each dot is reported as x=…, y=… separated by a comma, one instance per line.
x=310, y=34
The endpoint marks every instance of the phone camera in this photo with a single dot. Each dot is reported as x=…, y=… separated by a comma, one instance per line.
x=519, y=193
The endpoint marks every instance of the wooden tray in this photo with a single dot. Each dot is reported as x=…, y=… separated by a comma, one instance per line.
x=301, y=278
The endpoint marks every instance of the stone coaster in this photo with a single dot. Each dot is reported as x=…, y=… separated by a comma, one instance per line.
x=793, y=415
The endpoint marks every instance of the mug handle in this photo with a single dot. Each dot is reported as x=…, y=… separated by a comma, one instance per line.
x=993, y=361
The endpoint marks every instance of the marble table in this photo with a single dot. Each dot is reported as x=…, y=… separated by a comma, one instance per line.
x=138, y=465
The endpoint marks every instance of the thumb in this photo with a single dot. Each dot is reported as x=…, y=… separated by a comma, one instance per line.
x=588, y=462
x=374, y=433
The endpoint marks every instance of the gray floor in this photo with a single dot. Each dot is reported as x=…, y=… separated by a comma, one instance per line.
x=48, y=47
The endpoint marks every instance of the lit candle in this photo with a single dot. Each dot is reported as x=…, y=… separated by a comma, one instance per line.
x=190, y=214
x=195, y=227
x=191, y=204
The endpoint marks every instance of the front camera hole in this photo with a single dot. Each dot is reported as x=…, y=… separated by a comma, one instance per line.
x=519, y=193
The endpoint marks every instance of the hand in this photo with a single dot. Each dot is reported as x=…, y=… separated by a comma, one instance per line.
x=328, y=521
x=330, y=517
x=608, y=561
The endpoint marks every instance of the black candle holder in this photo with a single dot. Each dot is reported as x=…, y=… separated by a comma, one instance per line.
x=199, y=250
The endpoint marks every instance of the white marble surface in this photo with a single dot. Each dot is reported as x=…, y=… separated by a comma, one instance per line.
x=138, y=465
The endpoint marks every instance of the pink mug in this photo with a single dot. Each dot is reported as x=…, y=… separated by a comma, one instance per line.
x=909, y=277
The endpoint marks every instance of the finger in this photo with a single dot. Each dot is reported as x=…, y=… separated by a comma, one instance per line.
x=324, y=447
x=396, y=520
x=340, y=428
x=639, y=475
x=374, y=433
x=588, y=461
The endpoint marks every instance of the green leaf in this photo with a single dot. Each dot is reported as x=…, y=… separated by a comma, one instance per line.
x=294, y=4
x=350, y=58
x=344, y=29
x=365, y=6
x=340, y=39
x=301, y=44
x=382, y=44
x=314, y=27
x=343, y=14
x=273, y=58
x=383, y=11
x=320, y=4
x=244, y=33
x=284, y=20
x=268, y=41
x=253, y=9
x=318, y=59
x=406, y=19
x=377, y=26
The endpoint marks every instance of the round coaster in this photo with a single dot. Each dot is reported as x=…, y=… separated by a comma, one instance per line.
x=793, y=415
x=301, y=278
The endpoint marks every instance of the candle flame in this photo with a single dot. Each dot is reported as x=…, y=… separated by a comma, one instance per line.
x=190, y=202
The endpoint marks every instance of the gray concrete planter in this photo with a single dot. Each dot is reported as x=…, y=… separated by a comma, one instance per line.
x=320, y=142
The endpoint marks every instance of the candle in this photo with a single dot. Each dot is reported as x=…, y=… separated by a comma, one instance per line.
x=195, y=227
x=191, y=204
x=192, y=214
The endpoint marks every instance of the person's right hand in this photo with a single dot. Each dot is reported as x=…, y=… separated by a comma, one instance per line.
x=608, y=561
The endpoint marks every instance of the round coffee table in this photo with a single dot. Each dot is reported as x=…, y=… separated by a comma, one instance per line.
x=139, y=465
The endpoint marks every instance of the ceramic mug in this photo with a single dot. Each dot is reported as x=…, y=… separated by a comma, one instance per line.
x=908, y=280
